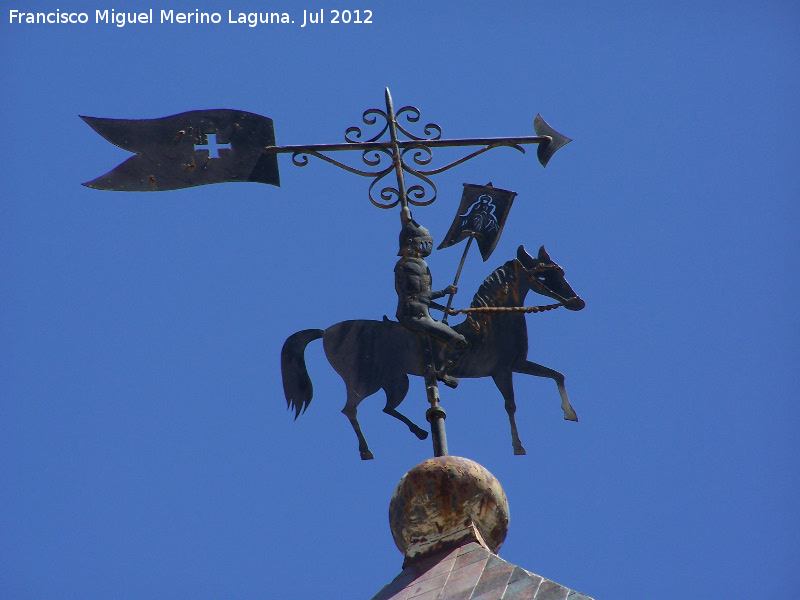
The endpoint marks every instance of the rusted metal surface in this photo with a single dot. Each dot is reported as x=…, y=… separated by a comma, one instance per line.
x=445, y=502
x=521, y=309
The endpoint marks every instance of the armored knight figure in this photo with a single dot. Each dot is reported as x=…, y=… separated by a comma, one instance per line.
x=412, y=281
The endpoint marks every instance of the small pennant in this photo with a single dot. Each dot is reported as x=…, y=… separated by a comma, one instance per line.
x=482, y=214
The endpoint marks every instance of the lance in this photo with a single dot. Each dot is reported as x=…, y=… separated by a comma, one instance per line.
x=458, y=274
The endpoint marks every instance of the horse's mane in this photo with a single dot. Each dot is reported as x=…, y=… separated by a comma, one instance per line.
x=495, y=287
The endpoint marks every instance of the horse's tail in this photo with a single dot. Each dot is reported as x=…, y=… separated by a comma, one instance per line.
x=296, y=383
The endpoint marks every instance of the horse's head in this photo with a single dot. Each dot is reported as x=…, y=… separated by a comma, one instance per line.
x=547, y=278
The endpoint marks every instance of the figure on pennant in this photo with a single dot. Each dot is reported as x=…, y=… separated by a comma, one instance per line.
x=481, y=216
x=413, y=283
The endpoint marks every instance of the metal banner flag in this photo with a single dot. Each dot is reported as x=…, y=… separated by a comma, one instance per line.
x=481, y=214
x=188, y=149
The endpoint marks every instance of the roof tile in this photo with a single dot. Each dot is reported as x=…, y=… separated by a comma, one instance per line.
x=523, y=589
x=493, y=581
x=550, y=590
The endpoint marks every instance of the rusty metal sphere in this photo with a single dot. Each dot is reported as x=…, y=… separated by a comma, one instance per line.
x=443, y=496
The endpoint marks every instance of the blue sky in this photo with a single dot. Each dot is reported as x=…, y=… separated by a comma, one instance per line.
x=146, y=448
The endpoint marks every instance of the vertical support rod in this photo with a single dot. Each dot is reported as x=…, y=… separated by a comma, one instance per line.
x=396, y=159
x=436, y=416
x=458, y=274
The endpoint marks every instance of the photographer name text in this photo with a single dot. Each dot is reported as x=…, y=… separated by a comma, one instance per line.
x=196, y=17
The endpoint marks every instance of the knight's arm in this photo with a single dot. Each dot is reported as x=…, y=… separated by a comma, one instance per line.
x=436, y=305
x=450, y=289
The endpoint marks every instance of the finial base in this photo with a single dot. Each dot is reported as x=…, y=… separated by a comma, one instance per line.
x=445, y=502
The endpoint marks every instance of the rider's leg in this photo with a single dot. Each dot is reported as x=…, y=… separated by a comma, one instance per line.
x=456, y=345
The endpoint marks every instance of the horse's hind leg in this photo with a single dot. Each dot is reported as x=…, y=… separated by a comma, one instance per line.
x=350, y=410
x=531, y=368
x=395, y=393
x=506, y=386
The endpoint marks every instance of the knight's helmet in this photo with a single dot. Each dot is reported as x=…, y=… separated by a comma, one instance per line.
x=413, y=235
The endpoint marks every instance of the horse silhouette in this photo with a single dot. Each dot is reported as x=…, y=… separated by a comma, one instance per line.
x=370, y=355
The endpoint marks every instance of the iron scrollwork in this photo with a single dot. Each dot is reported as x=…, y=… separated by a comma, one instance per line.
x=416, y=150
x=382, y=152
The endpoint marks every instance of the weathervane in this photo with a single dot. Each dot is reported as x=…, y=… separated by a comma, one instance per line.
x=215, y=146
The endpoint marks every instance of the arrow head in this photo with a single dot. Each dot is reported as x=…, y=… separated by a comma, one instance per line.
x=547, y=149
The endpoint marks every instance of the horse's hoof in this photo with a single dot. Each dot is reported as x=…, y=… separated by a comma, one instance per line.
x=421, y=434
x=519, y=451
x=570, y=415
x=367, y=455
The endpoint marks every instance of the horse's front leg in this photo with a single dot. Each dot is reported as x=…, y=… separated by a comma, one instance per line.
x=506, y=386
x=530, y=368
